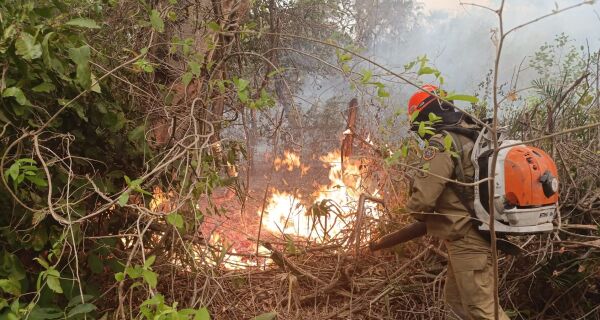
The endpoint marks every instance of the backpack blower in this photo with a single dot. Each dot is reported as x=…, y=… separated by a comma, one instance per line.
x=526, y=186
x=525, y=195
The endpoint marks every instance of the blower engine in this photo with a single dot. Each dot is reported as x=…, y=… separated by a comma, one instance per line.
x=526, y=186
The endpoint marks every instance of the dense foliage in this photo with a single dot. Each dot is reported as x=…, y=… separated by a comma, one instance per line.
x=71, y=138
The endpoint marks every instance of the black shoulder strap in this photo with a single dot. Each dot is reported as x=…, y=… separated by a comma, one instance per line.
x=502, y=244
x=459, y=174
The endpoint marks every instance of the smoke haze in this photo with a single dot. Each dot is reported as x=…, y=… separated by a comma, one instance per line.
x=458, y=41
x=458, y=38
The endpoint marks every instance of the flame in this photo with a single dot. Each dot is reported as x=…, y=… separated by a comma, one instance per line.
x=344, y=185
x=290, y=161
x=331, y=206
x=285, y=213
x=160, y=200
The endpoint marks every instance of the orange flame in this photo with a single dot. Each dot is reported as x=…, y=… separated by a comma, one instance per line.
x=286, y=213
x=290, y=161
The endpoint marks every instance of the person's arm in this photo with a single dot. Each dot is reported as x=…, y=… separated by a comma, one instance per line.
x=427, y=188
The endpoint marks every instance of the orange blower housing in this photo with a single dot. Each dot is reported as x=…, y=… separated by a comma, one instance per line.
x=529, y=177
x=525, y=188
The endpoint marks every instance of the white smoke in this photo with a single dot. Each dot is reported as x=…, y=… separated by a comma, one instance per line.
x=458, y=38
x=458, y=41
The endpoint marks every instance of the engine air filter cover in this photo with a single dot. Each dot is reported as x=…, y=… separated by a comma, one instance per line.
x=530, y=177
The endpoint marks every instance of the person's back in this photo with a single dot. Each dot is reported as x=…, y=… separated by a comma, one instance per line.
x=441, y=204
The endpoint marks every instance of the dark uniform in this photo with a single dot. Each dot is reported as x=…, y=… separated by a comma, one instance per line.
x=469, y=283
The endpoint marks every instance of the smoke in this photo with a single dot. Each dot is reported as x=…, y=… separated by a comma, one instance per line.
x=458, y=38
x=458, y=41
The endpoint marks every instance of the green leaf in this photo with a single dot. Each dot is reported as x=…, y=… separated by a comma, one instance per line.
x=345, y=57
x=150, y=277
x=448, y=142
x=20, y=178
x=78, y=300
x=241, y=86
x=53, y=281
x=275, y=72
x=84, y=23
x=27, y=48
x=80, y=110
x=81, y=57
x=421, y=130
x=18, y=94
x=38, y=313
x=26, y=160
x=42, y=262
x=212, y=25
x=81, y=309
x=392, y=159
x=44, y=87
x=144, y=65
x=266, y=316
x=158, y=299
x=13, y=171
x=40, y=182
x=414, y=116
x=202, y=314
x=11, y=286
x=382, y=93
x=149, y=261
x=409, y=65
x=434, y=117
x=187, y=78
x=14, y=307
x=462, y=97
x=426, y=70
x=95, y=84
x=9, y=32
x=134, y=272
x=119, y=276
x=194, y=67
x=137, y=134
x=156, y=21
x=404, y=151
x=123, y=198
x=46, y=48
x=176, y=220
x=136, y=183
x=366, y=76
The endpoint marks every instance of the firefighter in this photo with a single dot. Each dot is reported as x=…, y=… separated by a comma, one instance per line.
x=443, y=206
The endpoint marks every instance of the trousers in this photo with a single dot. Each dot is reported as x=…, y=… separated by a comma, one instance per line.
x=469, y=292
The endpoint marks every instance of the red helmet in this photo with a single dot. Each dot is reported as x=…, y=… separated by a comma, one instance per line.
x=422, y=98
